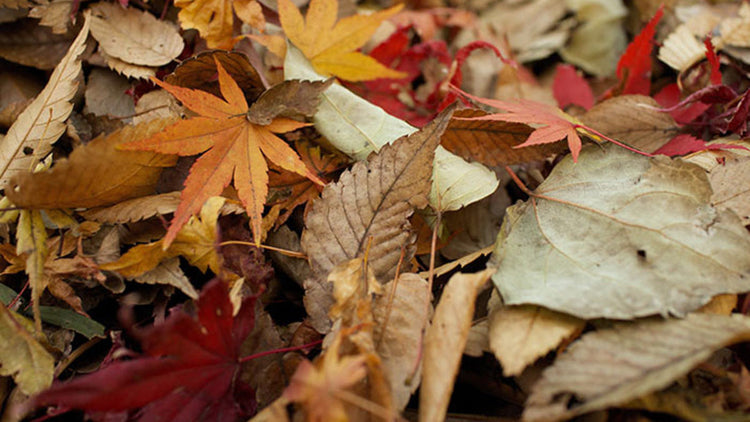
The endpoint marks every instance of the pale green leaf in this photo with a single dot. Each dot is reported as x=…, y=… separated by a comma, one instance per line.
x=619, y=235
x=457, y=182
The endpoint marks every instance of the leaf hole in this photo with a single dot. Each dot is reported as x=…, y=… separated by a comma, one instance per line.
x=28, y=150
x=641, y=253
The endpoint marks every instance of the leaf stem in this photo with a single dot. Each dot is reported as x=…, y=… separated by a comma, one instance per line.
x=274, y=351
x=282, y=251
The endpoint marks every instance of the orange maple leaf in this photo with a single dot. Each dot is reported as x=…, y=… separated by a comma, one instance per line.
x=329, y=45
x=554, y=124
x=234, y=149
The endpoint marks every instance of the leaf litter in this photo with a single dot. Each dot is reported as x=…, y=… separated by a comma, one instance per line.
x=274, y=211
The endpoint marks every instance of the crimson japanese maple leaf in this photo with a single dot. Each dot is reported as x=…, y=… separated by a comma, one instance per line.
x=188, y=370
x=234, y=148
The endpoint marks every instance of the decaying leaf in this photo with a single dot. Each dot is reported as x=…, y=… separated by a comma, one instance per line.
x=445, y=340
x=374, y=200
x=27, y=43
x=519, y=335
x=21, y=355
x=329, y=45
x=611, y=366
x=595, y=240
x=634, y=120
x=96, y=174
x=31, y=137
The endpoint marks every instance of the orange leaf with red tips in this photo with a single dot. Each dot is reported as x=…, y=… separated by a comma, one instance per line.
x=233, y=147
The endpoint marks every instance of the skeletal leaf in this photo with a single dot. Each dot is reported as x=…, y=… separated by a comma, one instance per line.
x=41, y=124
x=21, y=355
x=613, y=366
x=620, y=236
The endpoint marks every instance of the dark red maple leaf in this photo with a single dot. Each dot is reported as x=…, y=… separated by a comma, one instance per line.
x=634, y=66
x=187, y=372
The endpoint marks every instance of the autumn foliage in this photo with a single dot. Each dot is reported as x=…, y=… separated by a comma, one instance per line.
x=233, y=210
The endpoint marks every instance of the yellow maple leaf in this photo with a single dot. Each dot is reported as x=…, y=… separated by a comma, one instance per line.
x=329, y=45
x=214, y=20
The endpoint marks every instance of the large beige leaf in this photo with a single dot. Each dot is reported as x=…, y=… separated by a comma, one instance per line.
x=372, y=203
x=620, y=235
x=96, y=174
x=613, y=366
x=634, y=120
x=519, y=335
x=134, y=36
x=399, y=316
x=41, y=124
x=445, y=341
x=22, y=357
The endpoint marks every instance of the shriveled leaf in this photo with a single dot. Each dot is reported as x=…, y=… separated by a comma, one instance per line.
x=330, y=45
x=618, y=253
x=21, y=355
x=519, y=335
x=42, y=122
x=96, y=174
x=32, y=241
x=612, y=366
x=399, y=315
x=287, y=99
x=457, y=183
x=29, y=44
x=134, y=36
x=634, y=120
x=445, y=340
x=374, y=200
x=199, y=72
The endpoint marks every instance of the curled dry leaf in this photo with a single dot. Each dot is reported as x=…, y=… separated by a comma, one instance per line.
x=96, y=174
x=616, y=253
x=611, y=366
x=199, y=72
x=634, y=120
x=519, y=335
x=42, y=122
x=445, y=340
x=134, y=36
x=21, y=355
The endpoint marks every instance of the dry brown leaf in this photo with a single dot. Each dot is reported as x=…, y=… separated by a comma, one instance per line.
x=634, y=120
x=106, y=95
x=293, y=98
x=95, y=174
x=519, y=335
x=127, y=69
x=445, y=340
x=399, y=318
x=265, y=374
x=157, y=105
x=42, y=122
x=374, y=201
x=613, y=366
x=17, y=90
x=729, y=175
x=169, y=273
x=28, y=43
x=54, y=14
x=134, y=36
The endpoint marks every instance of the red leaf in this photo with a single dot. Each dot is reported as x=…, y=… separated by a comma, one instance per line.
x=188, y=369
x=713, y=60
x=569, y=88
x=738, y=122
x=670, y=96
x=634, y=67
x=686, y=144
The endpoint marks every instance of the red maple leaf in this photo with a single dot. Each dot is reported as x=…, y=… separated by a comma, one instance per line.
x=634, y=67
x=187, y=372
x=569, y=87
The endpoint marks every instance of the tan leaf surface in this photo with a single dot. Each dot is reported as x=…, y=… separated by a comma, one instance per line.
x=96, y=174
x=106, y=95
x=374, y=200
x=399, y=315
x=32, y=241
x=127, y=69
x=134, y=36
x=28, y=43
x=54, y=14
x=135, y=209
x=519, y=335
x=43, y=121
x=168, y=272
x=445, y=340
x=21, y=356
x=729, y=175
x=633, y=120
x=613, y=366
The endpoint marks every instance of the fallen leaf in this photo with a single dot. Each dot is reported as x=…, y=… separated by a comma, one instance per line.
x=188, y=369
x=617, y=254
x=169, y=273
x=31, y=137
x=634, y=66
x=134, y=36
x=611, y=366
x=728, y=173
x=214, y=19
x=106, y=95
x=519, y=335
x=599, y=38
x=21, y=355
x=95, y=174
x=570, y=88
x=32, y=241
x=634, y=120
x=235, y=149
x=375, y=198
x=54, y=14
x=456, y=182
x=29, y=44
x=127, y=69
x=445, y=340
x=329, y=45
